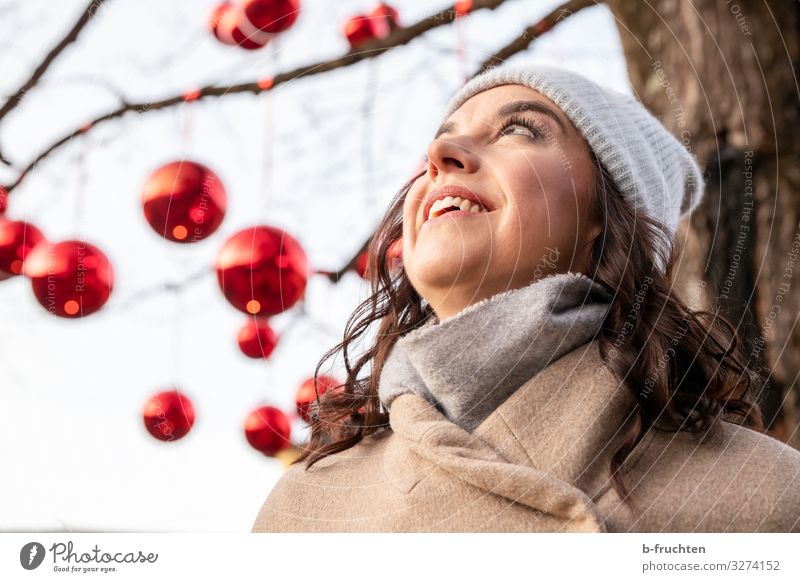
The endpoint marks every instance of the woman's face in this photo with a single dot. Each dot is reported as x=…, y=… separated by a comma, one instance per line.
x=533, y=187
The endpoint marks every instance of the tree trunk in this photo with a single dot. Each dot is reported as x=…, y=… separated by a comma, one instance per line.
x=721, y=76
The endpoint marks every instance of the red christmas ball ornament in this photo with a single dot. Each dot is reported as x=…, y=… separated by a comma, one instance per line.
x=3, y=200
x=70, y=279
x=215, y=21
x=168, y=415
x=230, y=27
x=184, y=201
x=17, y=239
x=247, y=37
x=267, y=429
x=379, y=23
x=306, y=394
x=463, y=7
x=262, y=270
x=358, y=30
x=362, y=263
x=270, y=15
x=394, y=256
x=257, y=339
x=383, y=19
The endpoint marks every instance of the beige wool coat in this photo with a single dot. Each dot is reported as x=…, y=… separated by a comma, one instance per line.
x=539, y=463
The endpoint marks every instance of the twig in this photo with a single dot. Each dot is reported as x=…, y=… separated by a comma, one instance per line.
x=71, y=36
x=524, y=40
x=369, y=50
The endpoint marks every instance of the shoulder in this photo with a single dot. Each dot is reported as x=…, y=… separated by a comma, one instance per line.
x=338, y=465
x=306, y=496
x=738, y=480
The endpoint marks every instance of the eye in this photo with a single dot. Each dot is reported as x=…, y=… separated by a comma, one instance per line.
x=535, y=129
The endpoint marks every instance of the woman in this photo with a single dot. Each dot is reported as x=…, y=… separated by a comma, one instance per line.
x=532, y=367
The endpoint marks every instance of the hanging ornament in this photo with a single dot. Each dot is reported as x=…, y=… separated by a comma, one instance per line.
x=358, y=30
x=257, y=339
x=17, y=239
x=361, y=265
x=463, y=7
x=262, y=270
x=184, y=201
x=270, y=15
x=220, y=26
x=394, y=260
x=379, y=23
x=168, y=415
x=70, y=279
x=267, y=429
x=230, y=26
x=384, y=19
x=3, y=200
x=394, y=257
x=306, y=393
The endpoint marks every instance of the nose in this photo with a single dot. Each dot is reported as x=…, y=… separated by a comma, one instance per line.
x=447, y=155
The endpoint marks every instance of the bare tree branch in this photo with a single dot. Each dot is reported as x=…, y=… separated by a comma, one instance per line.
x=335, y=276
x=523, y=41
x=71, y=36
x=368, y=50
x=519, y=44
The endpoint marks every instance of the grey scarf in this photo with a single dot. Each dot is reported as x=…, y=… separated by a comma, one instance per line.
x=469, y=364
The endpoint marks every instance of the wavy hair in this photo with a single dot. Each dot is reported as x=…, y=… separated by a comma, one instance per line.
x=686, y=369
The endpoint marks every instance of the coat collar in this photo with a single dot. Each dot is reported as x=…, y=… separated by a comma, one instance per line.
x=466, y=376
x=546, y=447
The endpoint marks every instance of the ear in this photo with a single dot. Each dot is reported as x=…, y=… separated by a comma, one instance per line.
x=594, y=232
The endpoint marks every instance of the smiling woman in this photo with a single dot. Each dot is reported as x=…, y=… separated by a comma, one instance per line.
x=532, y=367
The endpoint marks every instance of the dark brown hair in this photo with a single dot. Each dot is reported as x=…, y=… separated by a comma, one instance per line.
x=704, y=380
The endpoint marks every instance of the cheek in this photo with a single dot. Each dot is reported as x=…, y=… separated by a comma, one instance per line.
x=542, y=196
x=543, y=210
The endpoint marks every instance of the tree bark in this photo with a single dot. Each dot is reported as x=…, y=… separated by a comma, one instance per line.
x=721, y=75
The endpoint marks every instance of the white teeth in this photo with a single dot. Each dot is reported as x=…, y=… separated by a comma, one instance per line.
x=463, y=204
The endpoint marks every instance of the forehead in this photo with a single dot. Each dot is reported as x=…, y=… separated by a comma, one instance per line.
x=484, y=107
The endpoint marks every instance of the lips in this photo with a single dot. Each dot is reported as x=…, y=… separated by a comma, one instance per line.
x=454, y=191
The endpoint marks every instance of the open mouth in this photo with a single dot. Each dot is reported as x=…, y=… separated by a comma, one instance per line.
x=454, y=204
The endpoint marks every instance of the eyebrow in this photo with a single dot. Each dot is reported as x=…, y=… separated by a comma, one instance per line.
x=505, y=111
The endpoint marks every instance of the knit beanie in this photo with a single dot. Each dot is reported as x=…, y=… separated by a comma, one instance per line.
x=648, y=165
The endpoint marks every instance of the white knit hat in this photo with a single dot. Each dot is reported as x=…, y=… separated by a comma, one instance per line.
x=649, y=166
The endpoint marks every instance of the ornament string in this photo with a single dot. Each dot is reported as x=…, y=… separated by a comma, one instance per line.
x=83, y=182
x=268, y=145
x=179, y=263
x=462, y=10
x=370, y=95
x=187, y=118
x=178, y=316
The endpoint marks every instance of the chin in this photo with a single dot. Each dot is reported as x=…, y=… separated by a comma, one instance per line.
x=446, y=274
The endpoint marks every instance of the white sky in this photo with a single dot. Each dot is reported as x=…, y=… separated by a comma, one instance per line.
x=73, y=450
